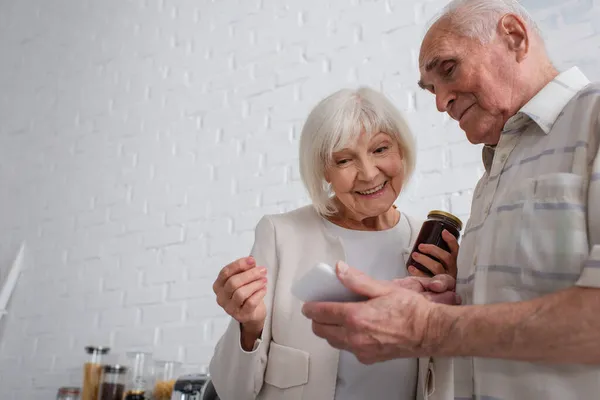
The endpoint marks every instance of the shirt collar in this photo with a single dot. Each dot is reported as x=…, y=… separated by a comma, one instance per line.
x=545, y=107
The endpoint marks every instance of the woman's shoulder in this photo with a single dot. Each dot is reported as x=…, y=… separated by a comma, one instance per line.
x=302, y=216
x=414, y=226
x=413, y=221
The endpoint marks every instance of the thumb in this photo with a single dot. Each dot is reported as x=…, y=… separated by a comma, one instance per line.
x=361, y=283
x=441, y=283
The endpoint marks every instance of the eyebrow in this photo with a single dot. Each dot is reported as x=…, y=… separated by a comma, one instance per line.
x=428, y=67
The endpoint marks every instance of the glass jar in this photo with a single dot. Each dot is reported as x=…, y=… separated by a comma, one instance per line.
x=92, y=370
x=192, y=386
x=136, y=395
x=68, y=393
x=431, y=233
x=112, y=382
x=165, y=375
x=139, y=385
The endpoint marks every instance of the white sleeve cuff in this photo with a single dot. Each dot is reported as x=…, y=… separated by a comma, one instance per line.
x=255, y=347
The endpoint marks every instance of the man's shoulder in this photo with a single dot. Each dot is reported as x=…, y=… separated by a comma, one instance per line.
x=583, y=110
x=590, y=92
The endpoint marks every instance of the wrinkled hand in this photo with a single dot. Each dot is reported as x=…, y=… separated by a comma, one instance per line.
x=240, y=288
x=436, y=259
x=394, y=323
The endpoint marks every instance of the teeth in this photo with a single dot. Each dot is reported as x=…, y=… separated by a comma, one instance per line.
x=371, y=191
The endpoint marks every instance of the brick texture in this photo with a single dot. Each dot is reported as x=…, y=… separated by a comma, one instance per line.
x=141, y=141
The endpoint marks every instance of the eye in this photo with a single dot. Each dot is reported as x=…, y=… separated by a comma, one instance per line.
x=342, y=161
x=448, y=68
x=381, y=149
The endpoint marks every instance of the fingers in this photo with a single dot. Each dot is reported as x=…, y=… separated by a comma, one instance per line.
x=436, y=252
x=253, y=301
x=411, y=282
x=449, y=298
x=437, y=284
x=239, y=265
x=326, y=313
x=441, y=283
x=361, y=283
x=417, y=272
x=434, y=266
x=243, y=278
x=243, y=294
x=451, y=242
x=335, y=335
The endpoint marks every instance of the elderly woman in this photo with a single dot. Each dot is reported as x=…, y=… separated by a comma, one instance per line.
x=356, y=155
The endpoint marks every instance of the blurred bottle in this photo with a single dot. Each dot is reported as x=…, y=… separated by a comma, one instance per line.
x=92, y=370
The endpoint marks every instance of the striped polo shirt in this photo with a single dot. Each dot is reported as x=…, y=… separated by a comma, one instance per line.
x=534, y=229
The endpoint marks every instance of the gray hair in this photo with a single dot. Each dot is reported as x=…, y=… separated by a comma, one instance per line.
x=478, y=19
x=336, y=121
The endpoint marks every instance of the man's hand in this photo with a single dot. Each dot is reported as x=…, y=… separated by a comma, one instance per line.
x=392, y=324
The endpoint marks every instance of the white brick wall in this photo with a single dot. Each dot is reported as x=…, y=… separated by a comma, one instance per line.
x=141, y=141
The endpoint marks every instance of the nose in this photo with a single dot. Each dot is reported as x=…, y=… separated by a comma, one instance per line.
x=444, y=99
x=368, y=170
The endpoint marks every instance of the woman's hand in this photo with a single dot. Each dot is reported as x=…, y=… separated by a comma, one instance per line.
x=240, y=288
x=446, y=263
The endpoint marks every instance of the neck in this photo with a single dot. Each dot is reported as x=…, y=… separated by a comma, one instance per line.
x=536, y=77
x=349, y=220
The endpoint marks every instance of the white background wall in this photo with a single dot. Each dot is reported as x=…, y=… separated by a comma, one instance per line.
x=140, y=142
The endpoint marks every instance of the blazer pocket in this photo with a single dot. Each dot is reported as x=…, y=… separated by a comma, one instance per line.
x=286, y=367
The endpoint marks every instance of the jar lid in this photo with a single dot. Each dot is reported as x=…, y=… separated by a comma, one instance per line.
x=115, y=369
x=69, y=390
x=97, y=349
x=453, y=218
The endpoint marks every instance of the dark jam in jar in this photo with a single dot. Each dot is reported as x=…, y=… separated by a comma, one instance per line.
x=135, y=395
x=431, y=233
x=111, y=391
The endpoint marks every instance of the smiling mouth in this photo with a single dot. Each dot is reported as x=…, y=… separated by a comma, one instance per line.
x=464, y=112
x=374, y=190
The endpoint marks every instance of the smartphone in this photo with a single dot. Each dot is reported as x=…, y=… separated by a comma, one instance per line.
x=321, y=283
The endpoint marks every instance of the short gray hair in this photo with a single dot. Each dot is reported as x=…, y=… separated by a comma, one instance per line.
x=478, y=19
x=334, y=123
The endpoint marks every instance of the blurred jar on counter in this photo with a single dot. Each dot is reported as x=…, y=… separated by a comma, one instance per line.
x=92, y=370
x=139, y=382
x=112, y=382
x=165, y=375
x=68, y=393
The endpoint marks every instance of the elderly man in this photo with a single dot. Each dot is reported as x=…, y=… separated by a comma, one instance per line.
x=529, y=263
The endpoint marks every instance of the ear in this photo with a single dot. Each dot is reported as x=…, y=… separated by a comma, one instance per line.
x=513, y=32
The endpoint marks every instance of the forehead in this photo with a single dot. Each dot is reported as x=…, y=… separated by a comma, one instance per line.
x=439, y=41
x=364, y=138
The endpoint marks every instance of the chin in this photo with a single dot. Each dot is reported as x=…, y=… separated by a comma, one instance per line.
x=376, y=208
x=482, y=137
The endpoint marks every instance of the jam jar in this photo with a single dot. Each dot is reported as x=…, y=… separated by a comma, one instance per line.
x=112, y=382
x=431, y=233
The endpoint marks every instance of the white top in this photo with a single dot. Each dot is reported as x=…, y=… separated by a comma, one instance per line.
x=379, y=255
x=534, y=230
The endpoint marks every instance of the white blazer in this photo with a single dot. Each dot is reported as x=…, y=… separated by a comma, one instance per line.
x=289, y=362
